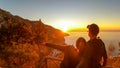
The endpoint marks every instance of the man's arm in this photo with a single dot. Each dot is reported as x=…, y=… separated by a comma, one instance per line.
x=104, y=53
x=104, y=57
x=59, y=47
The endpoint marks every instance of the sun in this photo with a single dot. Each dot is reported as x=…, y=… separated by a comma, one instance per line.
x=64, y=25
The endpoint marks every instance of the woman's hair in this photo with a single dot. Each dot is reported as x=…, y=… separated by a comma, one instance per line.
x=80, y=39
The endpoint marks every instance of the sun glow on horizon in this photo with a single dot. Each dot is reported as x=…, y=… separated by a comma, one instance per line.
x=64, y=25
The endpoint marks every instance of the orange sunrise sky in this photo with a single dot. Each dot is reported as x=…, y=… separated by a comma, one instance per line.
x=68, y=14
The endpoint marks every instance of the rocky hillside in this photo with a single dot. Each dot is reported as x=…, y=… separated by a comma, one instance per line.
x=20, y=41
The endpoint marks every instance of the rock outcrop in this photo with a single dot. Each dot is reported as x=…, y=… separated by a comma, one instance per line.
x=20, y=41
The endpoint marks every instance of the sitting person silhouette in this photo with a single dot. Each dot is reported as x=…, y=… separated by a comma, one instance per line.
x=71, y=54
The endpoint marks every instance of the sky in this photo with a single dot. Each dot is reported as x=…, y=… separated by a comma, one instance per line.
x=68, y=14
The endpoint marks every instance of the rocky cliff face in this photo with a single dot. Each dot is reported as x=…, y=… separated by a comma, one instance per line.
x=20, y=41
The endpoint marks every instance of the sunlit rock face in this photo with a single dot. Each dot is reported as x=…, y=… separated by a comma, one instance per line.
x=21, y=41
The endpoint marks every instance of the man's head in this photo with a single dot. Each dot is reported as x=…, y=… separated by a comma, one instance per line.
x=93, y=29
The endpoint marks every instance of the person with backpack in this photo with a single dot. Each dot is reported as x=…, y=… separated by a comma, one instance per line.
x=94, y=51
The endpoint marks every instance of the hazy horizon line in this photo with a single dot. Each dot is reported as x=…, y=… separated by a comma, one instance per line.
x=100, y=30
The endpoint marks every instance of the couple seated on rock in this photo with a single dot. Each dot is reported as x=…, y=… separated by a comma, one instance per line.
x=87, y=54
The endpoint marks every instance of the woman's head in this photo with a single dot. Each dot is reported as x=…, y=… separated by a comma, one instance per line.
x=80, y=43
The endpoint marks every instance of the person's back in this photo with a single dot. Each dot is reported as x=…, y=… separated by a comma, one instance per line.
x=96, y=50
